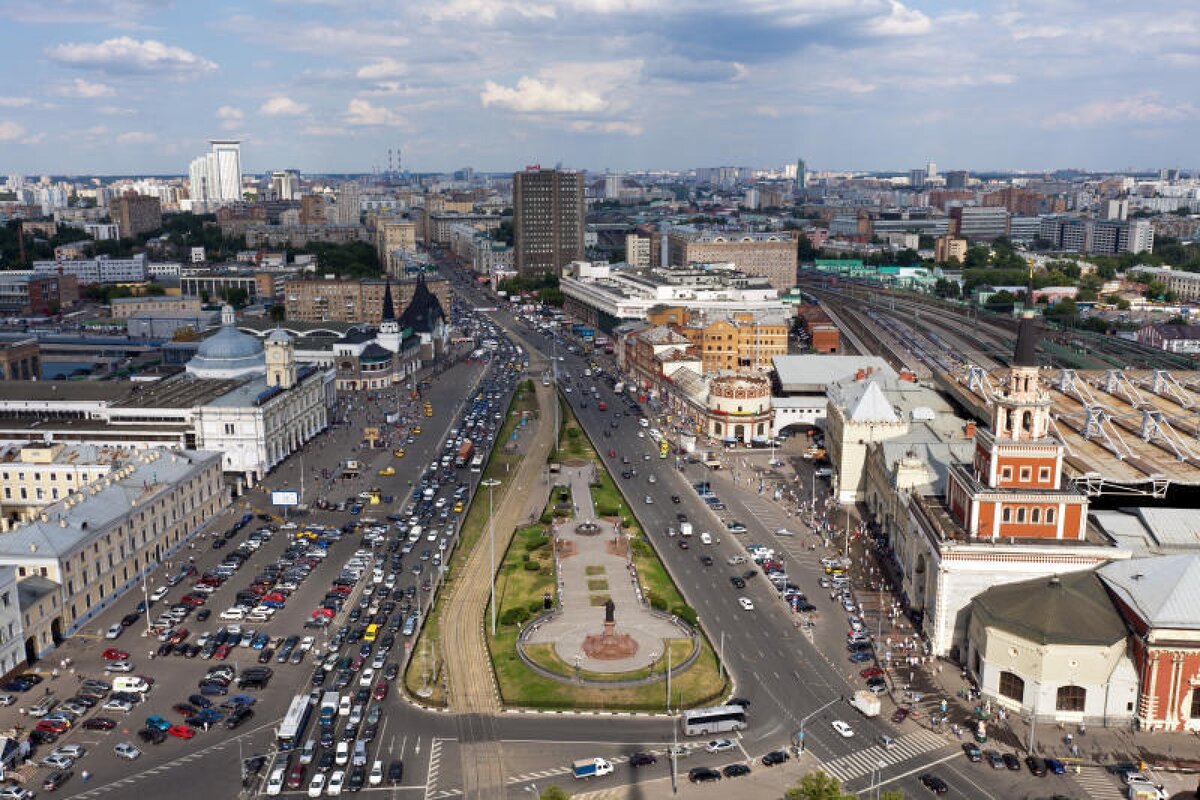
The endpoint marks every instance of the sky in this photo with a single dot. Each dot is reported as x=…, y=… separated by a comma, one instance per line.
x=139, y=86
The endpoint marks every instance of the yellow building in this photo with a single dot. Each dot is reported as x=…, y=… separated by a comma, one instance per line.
x=392, y=235
x=949, y=247
x=728, y=342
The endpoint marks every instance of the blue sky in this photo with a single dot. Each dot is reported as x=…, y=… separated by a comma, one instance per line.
x=138, y=86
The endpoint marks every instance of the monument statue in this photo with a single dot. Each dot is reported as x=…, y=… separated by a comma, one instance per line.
x=609, y=609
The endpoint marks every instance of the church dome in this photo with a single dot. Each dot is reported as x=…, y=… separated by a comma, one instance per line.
x=228, y=353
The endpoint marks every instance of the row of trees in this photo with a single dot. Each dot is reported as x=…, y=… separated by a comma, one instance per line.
x=543, y=286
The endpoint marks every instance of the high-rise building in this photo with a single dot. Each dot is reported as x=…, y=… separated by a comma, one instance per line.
x=547, y=220
x=931, y=172
x=348, y=203
x=801, y=174
x=285, y=184
x=979, y=223
x=136, y=214
x=917, y=178
x=228, y=156
x=956, y=179
x=314, y=210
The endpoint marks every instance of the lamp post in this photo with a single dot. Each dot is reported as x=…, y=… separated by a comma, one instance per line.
x=492, y=483
x=800, y=735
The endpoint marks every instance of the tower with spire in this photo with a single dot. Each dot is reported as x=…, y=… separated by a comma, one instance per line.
x=389, y=328
x=1012, y=487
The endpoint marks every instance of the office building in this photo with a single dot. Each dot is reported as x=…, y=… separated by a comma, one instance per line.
x=768, y=255
x=101, y=269
x=637, y=251
x=393, y=238
x=548, y=210
x=126, y=307
x=285, y=185
x=947, y=248
x=1097, y=236
x=216, y=176
x=956, y=179
x=25, y=294
x=314, y=210
x=136, y=214
x=979, y=223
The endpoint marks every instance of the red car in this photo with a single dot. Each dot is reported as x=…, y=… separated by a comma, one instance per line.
x=181, y=731
x=323, y=612
x=52, y=726
x=113, y=654
x=296, y=776
x=612, y=453
x=871, y=672
x=222, y=652
x=193, y=600
x=381, y=690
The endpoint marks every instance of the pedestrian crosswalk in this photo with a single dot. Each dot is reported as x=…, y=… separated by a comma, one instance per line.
x=552, y=773
x=865, y=761
x=1097, y=784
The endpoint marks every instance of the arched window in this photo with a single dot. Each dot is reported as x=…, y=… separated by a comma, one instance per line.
x=1006, y=516
x=1027, y=421
x=1195, y=703
x=1020, y=515
x=1035, y=515
x=1012, y=686
x=1071, y=698
x=1050, y=516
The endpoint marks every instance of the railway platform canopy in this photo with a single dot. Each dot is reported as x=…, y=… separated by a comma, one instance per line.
x=1129, y=432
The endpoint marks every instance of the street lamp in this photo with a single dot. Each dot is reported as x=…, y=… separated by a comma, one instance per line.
x=492, y=483
x=800, y=735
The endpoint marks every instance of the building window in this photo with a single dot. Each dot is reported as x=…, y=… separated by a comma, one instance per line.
x=1012, y=686
x=1026, y=474
x=1006, y=516
x=1035, y=515
x=229, y=429
x=1070, y=698
x=1043, y=474
x=1049, y=516
x=1006, y=473
x=1020, y=515
x=1195, y=704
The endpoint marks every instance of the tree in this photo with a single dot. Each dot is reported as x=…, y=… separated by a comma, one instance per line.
x=907, y=257
x=817, y=786
x=892, y=794
x=235, y=296
x=277, y=312
x=1064, y=310
x=947, y=288
x=805, y=251
x=977, y=256
x=555, y=793
x=1002, y=301
x=1089, y=287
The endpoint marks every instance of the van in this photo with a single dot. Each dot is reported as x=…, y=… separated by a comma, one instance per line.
x=824, y=472
x=309, y=751
x=360, y=754
x=44, y=706
x=130, y=683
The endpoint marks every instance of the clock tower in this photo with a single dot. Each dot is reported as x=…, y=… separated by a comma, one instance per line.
x=281, y=360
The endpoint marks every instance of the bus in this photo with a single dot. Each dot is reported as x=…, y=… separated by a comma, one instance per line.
x=718, y=719
x=291, y=730
x=372, y=633
x=477, y=463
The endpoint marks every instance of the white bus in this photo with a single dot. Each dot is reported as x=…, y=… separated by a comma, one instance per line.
x=291, y=730
x=477, y=463
x=718, y=719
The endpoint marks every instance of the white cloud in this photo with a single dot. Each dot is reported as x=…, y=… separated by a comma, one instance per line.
x=229, y=112
x=136, y=137
x=900, y=21
x=81, y=88
x=488, y=11
x=381, y=69
x=361, y=112
x=10, y=131
x=580, y=88
x=97, y=130
x=15, y=102
x=588, y=126
x=1133, y=110
x=280, y=106
x=850, y=84
x=126, y=55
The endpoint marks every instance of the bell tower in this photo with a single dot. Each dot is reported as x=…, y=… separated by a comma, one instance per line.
x=281, y=360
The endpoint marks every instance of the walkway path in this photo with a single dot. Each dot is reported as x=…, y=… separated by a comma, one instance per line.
x=472, y=689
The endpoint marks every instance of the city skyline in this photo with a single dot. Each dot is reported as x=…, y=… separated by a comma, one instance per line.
x=327, y=86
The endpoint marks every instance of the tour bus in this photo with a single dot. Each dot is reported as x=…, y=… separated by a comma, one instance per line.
x=291, y=730
x=372, y=633
x=718, y=719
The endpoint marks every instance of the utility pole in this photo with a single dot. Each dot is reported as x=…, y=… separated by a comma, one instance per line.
x=491, y=483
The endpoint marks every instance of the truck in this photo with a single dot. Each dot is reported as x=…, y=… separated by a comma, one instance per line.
x=591, y=768
x=350, y=468
x=711, y=461
x=685, y=528
x=867, y=703
x=619, y=387
x=329, y=707
x=465, y=451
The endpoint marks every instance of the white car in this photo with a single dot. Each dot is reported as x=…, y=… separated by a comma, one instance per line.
x=118, y=705
x=706, y=538
x=649, y=500
x=126, y=751
x=720, y=745
x=114, y=631
x=233, y=614
x=336, y=781
x=843, y=730
x=746, y=603
x=367, y=676
x=342, y=754
x=58, y=761
x=316, y=785
x=275, y=782
x=119, y=666
x=15, y=792
x=376, y=775
x=784, y=532
x=159, y=593
x=344, y=704
x=70, y=751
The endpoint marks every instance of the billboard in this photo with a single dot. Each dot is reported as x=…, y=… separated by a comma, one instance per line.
x=286, y=497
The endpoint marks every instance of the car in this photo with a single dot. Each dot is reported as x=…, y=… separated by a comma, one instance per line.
x=238, y=716
x=886, y=742
x=683, y=544
x=775, y=757
x=720, y=745
x=182, y=731
x=994, y=759
x=58, y=760
x=861, y=656
x=56, y=779
x=703, y=775
x=871, y=672
x=649, y=500
x=316, y=786
x=735, y=770
x=746, y=603
x=1012, y=762
x=706, y=560
x=336, y=781
x=738, y=582
x=842, y=728
x=296, y=777
x=1056, y=766
x=152, y=736
x=15, y=792
x=934, y=784
x=119, y=666
x=395, y=772
x=899, y=715
x=676, y=499
x=641, y=759
x=1037, y=766
x=117, y=704
x=972, y=751
x=99, y=724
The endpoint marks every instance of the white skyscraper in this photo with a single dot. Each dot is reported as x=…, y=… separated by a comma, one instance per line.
x=348, y=203
x=228, y=155
x=931, y=172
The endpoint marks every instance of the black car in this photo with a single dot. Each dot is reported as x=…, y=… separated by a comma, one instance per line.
x=1011, y=761
x=775, y=757
x=130, y=619
x=934, y=784
x=738, y=583
x=203, y=614
x=703, y=775
x=395, y=772
x=327, y=756
x=1037, y=765
x=239, y=716
x=358, y=777
x=974, y=754
x=642, y=759
x=735, y=771
x=675, y=499
x=152, y=735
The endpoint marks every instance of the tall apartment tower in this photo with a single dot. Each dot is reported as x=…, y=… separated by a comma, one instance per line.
x=547, y=220
x=348, y=211
x=801, y=174
x=227, y=154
